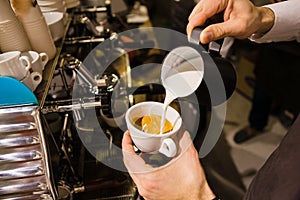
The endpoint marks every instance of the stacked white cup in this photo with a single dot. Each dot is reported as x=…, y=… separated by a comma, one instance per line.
x=14, y=65
x=32, y=80
x=36, y=28
x=55, y=23
x=38, y=62
x=12, y=34
x=27, y=67
x=52, y=5
x=25, y=41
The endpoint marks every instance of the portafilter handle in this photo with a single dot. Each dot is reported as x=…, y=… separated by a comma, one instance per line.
x=82, y=72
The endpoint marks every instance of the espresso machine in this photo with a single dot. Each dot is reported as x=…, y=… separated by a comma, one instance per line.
x=42, y=156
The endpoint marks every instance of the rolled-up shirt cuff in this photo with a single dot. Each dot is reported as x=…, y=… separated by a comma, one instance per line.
x=286, y=25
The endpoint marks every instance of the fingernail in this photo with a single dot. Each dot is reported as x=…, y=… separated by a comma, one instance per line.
x=208, y=36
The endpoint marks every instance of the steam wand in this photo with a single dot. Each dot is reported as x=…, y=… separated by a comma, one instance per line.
x=71, y=105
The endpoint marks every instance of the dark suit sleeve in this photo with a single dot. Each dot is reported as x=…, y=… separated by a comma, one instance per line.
x=279, y=178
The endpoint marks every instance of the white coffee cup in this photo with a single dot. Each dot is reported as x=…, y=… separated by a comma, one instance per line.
x=32, y=80
x=153, y=143
x=38, y=60
x=14, y=65
x=55, y=23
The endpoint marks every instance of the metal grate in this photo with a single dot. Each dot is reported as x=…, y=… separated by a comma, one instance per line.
x=24, y=172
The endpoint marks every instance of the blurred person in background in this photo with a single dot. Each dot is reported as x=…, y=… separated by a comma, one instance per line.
x=276, y=78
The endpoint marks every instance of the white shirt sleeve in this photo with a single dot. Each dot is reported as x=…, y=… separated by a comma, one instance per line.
x=286, y=25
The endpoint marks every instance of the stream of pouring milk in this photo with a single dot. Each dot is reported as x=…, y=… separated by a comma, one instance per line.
x=179, y=85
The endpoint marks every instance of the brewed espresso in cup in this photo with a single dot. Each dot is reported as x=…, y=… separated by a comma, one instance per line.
x=151, y=124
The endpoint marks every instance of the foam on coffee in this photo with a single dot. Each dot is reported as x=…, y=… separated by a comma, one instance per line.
x=151, y=124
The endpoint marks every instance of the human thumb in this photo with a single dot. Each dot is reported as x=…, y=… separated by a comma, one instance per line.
x=215, y=31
